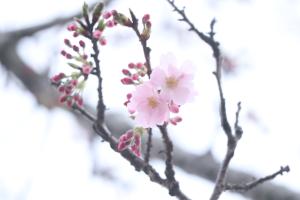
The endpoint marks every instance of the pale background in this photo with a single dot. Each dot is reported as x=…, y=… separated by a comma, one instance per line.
x=45, y=154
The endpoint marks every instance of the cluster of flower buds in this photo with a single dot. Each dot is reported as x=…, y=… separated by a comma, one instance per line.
x=134, y=73
x=131, y=139
x=79, y=57
x=70, y=88
x=99, y=22
x=145, y=35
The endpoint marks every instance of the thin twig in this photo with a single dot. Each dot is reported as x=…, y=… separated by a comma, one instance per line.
x=148, y=146
x=143, y=42
x=237, y=128
x=84, y=113
x=252, y=184
x=174, y=189
x=100, y=106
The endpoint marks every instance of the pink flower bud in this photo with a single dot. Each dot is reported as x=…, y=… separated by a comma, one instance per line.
x=69, y=102
x=62, y=99
x=131, y=65
x=75, y=48
x=146, y=18
x=63, y=52
x=102, y=41
x=127, y=81
x=69, y=56
x=110, y=23
x=139, y=65
x=75, y=34
x=84, y=56
x=57, y=78
x=72, y=27
x=174, y=108
x=175, y=120
x=74, y=82
x=86, y=69
x=61, y=75
x=78, y=99
x=61, y=88
x=135, y=77
x=67, y=42
x=82, y=43
x=107, y=15
x=128, y=96
x=126, y=72
x=97, y=34
x=124, y=140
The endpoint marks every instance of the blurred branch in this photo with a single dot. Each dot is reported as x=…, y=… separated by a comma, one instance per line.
x=252, y=184
x=204, y=166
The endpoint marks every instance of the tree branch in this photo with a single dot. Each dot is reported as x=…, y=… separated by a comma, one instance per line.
x=252, y=184
x=143, y=42
x=232, y=140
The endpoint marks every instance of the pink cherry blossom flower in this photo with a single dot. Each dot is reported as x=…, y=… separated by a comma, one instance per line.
x=175, y=83
x=150, y=107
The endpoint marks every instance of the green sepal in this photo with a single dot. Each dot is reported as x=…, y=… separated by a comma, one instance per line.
x=74, y=65
x=97, y=12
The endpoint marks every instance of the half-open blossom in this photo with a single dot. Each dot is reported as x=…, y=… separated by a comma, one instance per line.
x=175, y=83
x=131, y=139
x=150, y=106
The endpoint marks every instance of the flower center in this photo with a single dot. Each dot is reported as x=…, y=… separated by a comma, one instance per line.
x=171, y=82
x=152, y=102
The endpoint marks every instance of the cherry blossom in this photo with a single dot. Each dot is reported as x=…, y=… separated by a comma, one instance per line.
x=149, y=106
x=175, y=83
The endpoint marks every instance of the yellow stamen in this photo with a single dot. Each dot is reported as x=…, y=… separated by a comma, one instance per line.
x=171, y=82
x=152, y=102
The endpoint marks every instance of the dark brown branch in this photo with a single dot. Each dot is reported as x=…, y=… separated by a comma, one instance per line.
x=86, y=114
x=148, y=146
x=101, y=105
x=143, y=42
x=252, y=184
x=237, y=129
x=231, y=139
x=174, y=190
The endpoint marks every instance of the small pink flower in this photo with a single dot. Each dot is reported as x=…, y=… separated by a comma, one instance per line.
x=97, y=34
x=150, y=106
x=87, y=69
x=176, y=84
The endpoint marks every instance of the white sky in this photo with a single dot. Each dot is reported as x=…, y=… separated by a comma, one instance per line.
x=45, y=155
